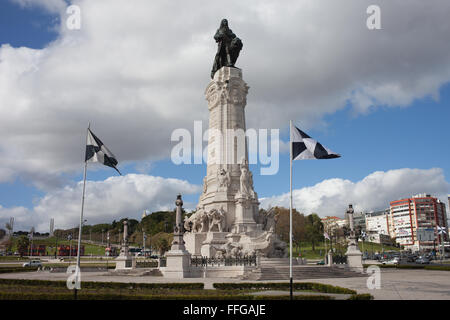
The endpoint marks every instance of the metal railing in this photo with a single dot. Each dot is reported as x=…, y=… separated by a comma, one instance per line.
x=199, y=261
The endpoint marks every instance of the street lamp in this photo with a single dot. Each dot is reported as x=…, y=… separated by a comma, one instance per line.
x=144, y=239
x=69, y=237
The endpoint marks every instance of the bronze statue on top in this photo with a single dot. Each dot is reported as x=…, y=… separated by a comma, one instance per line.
x=228, y=47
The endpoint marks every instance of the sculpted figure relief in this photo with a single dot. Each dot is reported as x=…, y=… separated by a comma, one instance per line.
x=216, y=218
x=228, y=47
x=224, y=179
x=244, y=181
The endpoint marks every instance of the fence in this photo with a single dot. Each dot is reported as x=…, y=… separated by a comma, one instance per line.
x=238, y=261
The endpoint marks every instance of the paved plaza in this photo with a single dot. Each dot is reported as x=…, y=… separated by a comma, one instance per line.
x=395, y=284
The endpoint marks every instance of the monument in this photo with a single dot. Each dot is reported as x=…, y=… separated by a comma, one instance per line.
x=354, y=256
x=178, y=259
x=125, y=260
x=227, y=222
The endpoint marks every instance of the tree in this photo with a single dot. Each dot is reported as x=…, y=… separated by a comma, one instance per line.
x=314, y=229
x=161, y=242
x=22, y=245
x=282, y=226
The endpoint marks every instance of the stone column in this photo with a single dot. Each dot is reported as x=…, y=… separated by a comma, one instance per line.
x=178, y=259
x=354, y=256
x=227, y=150
x=125, y=260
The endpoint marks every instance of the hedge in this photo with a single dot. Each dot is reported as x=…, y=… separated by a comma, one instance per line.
x=100, y=285
x=305, y=286
x=411, y=266
x=17, y=269
x=112, y=296
x=361, y=296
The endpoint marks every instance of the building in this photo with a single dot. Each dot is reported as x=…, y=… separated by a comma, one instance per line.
x=380, y=238
x=359, y=221
x=378, y=222
x=408, y=215
x=331, y=223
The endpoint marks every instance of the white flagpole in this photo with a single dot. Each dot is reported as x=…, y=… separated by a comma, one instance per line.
x=290, y=212
x=82, y=209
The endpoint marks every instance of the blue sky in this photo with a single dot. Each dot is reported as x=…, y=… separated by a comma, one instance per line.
x=386, y=137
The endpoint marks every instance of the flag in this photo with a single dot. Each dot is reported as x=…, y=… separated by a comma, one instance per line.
x=96, y=151
x=441, y=230
x=326, y=235
x=304, y=147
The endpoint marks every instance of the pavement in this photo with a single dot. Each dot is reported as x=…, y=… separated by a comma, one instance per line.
x=395, y=284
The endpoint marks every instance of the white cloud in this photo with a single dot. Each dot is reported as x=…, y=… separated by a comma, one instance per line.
x=114, y=198
x=374, y=192
x=137, y=71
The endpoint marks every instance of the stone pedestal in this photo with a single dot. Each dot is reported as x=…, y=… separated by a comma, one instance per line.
x=244, y=221
x=354, y=256
x=213, y=241
x=178, y=258
x=178, y=263
x=330, y=258
x=194, y=242
x=125, y=261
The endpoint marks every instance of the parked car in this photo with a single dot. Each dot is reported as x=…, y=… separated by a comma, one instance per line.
x=392, y=261
x=321, y=262
x=423, y=260
x=32, y=263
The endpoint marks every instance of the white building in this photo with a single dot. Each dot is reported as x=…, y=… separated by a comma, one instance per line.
x=377, y=222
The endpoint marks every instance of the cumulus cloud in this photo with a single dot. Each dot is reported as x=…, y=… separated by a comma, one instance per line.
x=113, y=198
x=374, y=192
x=138, y=71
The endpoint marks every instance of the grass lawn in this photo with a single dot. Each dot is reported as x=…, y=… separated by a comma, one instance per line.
x=319, y=252
x=89, y=249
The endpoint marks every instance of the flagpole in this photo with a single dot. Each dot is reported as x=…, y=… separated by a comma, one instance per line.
x=290, y=212
x=81, y=215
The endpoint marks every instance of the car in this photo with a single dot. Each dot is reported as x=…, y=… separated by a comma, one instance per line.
x=392, y=261
x=422, y=260
x=321, y=262
x=32, y=263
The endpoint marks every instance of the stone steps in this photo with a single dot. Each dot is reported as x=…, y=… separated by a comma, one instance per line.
x=301, y=272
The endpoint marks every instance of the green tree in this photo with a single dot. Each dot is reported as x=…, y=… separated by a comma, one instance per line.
x=314, y=229
x=22, y=245
x=282, y=226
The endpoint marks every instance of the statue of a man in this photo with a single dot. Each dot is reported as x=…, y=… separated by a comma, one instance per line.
x=228, y=47
x=245, y=188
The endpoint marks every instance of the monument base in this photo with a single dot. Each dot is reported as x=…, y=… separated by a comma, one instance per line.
x=354, y=258
x=125, y=262
x=194, y=242
x=213, y=241
x=178, y=262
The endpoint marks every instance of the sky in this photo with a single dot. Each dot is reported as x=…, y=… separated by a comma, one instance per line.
x=137, y=72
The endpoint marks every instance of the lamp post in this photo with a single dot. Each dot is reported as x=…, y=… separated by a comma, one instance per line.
x=69, y=237
x=144, y=239
x=56, y=246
